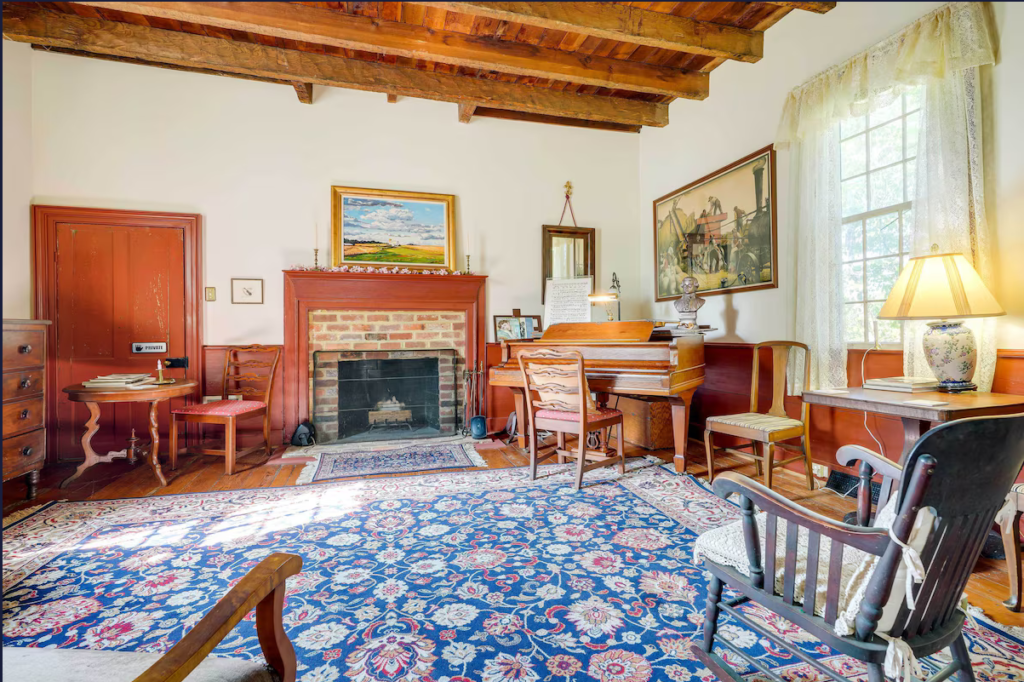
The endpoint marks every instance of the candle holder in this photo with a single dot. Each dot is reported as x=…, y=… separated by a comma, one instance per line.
x=160, y=381
x=316, y=259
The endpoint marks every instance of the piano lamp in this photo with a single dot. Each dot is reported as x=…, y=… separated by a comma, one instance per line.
x=611, y=297
x=938, y=287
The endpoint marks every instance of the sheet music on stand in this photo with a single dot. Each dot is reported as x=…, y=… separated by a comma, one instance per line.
x=566, y=300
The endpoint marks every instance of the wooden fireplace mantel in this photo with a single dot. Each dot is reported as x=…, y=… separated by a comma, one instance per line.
x=306, y=290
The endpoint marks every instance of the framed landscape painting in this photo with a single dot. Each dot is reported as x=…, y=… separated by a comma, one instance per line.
x=720, y=229
x=385, y=227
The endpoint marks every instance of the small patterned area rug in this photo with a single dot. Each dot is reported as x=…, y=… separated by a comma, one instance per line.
x=331, y=462
x=450, y=577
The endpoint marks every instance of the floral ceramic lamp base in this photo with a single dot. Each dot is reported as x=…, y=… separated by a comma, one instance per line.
x=952, y=354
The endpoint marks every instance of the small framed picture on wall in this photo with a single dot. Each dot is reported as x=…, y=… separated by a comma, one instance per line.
x=246, y=290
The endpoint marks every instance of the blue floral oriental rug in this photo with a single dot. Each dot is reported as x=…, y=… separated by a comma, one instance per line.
x=451, y=577
x=348, y=461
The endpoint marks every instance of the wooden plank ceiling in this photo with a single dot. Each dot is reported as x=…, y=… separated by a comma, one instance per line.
x=611, y=65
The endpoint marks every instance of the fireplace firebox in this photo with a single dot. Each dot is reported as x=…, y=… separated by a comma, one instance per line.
x=379, y=395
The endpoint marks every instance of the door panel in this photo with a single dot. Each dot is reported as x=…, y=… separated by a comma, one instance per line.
x=116, y=284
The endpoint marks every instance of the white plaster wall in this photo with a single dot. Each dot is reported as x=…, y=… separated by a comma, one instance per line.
x=742, y=115
x=17, y=178
x=1004, y=181
x=258, y=165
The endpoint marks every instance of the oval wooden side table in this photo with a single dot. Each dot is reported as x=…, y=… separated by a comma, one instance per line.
x=154, y=395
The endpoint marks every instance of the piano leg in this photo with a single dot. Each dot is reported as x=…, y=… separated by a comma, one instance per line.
x=519, y=395
x=681, y=428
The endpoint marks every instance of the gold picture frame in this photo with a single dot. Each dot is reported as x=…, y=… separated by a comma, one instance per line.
x=721, y=229
x=388, y=228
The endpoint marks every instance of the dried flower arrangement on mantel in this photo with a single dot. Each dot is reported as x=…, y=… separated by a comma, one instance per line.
x=372, y=270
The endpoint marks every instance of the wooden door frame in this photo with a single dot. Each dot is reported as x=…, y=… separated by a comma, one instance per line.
x=44, y=278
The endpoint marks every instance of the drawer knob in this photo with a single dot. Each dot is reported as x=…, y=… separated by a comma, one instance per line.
x=26, y=451
x=23, y=415
x=25, y=383
x=25, y=349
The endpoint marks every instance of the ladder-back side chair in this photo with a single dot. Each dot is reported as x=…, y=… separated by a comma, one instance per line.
x=249, y=373
x=847, y=584
x=766, y=431
x=559, y=400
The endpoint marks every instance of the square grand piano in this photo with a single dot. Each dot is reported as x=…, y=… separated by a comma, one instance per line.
x=633, y=359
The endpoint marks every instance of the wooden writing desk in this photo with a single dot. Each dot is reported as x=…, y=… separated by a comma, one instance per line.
x=154, y=395
x=917, y=419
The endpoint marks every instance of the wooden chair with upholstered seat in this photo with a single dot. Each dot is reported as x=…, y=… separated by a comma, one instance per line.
x=249, y=373
x=766, y=432
x=261, y=589
x=564, y=405
x=847, y=585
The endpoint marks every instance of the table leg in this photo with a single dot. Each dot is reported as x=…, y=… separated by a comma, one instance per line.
x=154, y=435
x=913, y=429
x=91, y=458
x=681, y=429
x=519, y=395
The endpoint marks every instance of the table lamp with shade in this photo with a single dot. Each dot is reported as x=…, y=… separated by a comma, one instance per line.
x=945, y=288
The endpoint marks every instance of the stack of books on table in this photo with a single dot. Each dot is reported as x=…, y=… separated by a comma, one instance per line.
x=120, y=381
x=903, y=384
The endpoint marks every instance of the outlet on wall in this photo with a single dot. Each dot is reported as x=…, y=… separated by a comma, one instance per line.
x=820, y=471
x=211, y=293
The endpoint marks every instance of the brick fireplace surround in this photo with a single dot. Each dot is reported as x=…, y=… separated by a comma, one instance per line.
x=333, y=311
x=350, y=335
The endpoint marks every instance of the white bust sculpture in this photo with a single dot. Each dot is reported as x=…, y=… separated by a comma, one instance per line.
x=689, y=303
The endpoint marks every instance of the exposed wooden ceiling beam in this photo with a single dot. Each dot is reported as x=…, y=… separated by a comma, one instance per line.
x=171, y=67
x=392, y=98
x=34, y=25
x=304, y=91
x=818, y=7
x=623, y=23
x=466, y=112
x=331, y=27
x=486, y=112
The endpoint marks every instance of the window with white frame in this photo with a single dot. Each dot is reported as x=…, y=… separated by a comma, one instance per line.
x=877, y=158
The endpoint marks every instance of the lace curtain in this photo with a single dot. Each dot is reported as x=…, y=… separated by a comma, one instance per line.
x=942, y=51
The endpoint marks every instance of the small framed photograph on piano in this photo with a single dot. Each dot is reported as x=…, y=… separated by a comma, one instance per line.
x=514, y=327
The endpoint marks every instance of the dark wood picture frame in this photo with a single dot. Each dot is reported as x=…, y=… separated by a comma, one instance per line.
x=246, y=279
x=772, y=211
x=589, y=235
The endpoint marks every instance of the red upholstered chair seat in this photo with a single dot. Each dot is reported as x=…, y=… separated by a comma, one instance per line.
x=571, y=416
x=223, y=408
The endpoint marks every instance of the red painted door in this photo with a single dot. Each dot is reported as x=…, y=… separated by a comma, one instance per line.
x=117, y=285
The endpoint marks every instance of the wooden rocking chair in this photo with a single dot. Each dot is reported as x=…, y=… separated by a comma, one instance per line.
x=957, y=477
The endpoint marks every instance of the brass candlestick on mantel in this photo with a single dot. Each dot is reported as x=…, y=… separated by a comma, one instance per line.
x=316, y=259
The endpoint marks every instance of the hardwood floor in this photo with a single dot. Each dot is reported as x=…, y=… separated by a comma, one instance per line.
x=987, y=588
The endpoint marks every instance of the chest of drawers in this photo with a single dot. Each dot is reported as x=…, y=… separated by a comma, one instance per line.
x=24, y=400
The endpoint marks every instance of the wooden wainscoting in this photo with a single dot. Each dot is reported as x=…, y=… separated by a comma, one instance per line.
x=726, y=390
x=250, y=431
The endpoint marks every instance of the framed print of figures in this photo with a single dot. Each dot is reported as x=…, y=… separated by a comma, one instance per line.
x=389, y=227
x=720, y=229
